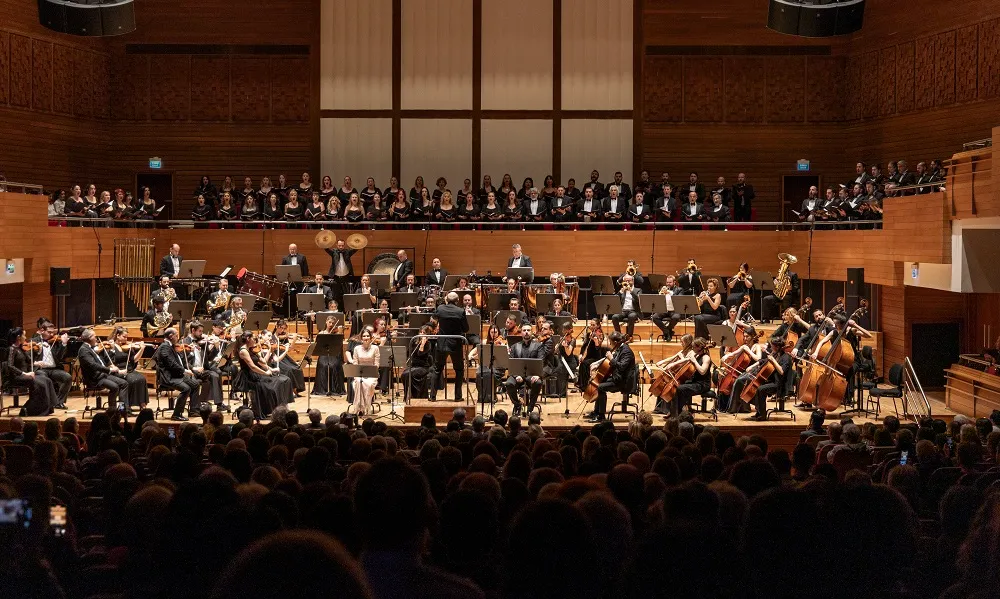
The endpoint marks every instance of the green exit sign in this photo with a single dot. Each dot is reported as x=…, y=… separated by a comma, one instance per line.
x=155, y=163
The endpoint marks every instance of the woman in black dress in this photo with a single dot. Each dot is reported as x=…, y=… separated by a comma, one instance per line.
x=355, y=211
x=126, y=356
x=226, y=209
x=334, y=209
x=264, y=191
x=506, y=186
x=492, y=211
x=512, y=208
x=376, y=210
x=469, y=210
x=326, y=190
x=208, y=190
x=201, y=211
x=447, y=212
x=251, y=208
x=712, y=308
x=270, y=388
x=486, y=188
x=425, y=207
x=283, y=188
x=526, y=186
x=329, y=378
x=286, y=364
x=389, y=193
x=227, y=185
x=400, y=209
x=415, y=377
x=147, y=207
x=247, y=192
x=305, y=187
x=369, y=192
x=345, y=191
x=317, y=209
x=549, y=187
x=440, y=186
x=293, y=209
x=418, y=184
x=272, y=209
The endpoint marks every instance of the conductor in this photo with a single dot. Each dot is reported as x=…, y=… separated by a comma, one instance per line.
x=452, y=322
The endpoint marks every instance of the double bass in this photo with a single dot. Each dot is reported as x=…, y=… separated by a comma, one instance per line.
x=824, y=382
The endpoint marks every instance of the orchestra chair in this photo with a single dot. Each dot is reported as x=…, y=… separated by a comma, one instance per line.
x=710, y=394
x=876, y=393
x=845, y=461
x=95, y=393
x=9, y=386
x=631, y=388
x=169, y=394
x=815, y=439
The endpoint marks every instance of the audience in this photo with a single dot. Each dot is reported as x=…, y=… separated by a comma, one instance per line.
x=320, y=509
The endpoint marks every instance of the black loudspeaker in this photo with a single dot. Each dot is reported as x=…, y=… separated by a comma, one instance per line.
x=855, y=282
x=59, y=281
x=91, y=18
x=816, y=18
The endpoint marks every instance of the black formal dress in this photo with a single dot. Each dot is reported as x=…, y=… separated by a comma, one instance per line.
x=269, y=391
x=41, y=391
x=416, y=376
x=329, y=378
x=137, y=392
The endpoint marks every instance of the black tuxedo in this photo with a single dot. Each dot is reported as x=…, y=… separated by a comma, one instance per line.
x=399, y=275
x=699, y=213
x=628, y=315
x=665, y=207
x=622, y=365
x=433, y=278
x=618, y=211
x=520, y=350
x=170, y=375
x=147, y=327
x=741, y=204
x=805, y=210
x=452, y=321
x=541, y=210
x=624, y=191
x=905, y=179
x=636, y=216
x=325, y=290
x=167, y=266
x=718, y=214
x=301, y=260
x=596, y=208
x=561, y=203
x=599, y=190
x=334, y=255
x=97, y=374
x=525, y=262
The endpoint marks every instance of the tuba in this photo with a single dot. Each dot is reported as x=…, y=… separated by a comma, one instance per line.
x=782, y=282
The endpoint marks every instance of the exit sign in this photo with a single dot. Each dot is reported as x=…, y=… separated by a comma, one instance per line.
x=802, y=165
x=155, y=163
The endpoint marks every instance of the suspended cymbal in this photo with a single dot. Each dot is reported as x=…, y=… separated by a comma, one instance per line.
x=357, y=241
x=326, y=239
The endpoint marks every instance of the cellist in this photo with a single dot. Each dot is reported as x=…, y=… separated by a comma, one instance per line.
x=754, y=351
x=700, y=382
x=769, y=354
x=622, y=362
x=777, y=382
x=684, y=353
x=594, y=344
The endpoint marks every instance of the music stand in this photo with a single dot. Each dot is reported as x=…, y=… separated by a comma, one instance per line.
x=310, y=302
x=258, y=320
x=291, y=275
x=182, y=311
x=322, y=316
x=764, y=281
x=380, y=283
x=329, y=346
x=654, y=303
x=492, y=357
x=418, y=319
x=543, y=301
x=365, y=371
x=369, y=318
x=475, y=324
x=685, y=304
x=723, y=335
x=402, y=299
x=608, y=304
x=558, y=322
x=656, y=282
x=522, y=273
x=356, y=301
x=403, y=336
x=451, y=281
x=499, y=301
x=601, y=285
x=192, y=269
x=391, y=356
x=249, y=300
x=501, y=317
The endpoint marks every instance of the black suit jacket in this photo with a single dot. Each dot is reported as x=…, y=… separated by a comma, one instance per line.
x=430, y=279
x=302, y=261
x=907, y=178
x=525, y=262
x=147, y=327
x=621, y=208
x=168, y=363
x=92, y=365
x=533, y=350
x=452, y=321
x=748, y=196
x=596, y=207
x=347, y=258
x=622, y=365
x=401, y=271
x=624, y=191
x=543, y=208
x=635, y=299
x=326, y=291
x=167, y=266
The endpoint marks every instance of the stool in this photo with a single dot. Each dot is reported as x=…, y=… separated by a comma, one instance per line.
x=780, y=409
x=94, y=392
x=707, y=395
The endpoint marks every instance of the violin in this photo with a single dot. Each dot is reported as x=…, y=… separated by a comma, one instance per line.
x=106, y=345
x=182, y=347
x=31, y=346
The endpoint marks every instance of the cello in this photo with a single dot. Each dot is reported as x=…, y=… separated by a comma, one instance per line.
x=734, y=367
x=599, y=371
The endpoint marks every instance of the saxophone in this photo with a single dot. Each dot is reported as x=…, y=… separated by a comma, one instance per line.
x=782, y=282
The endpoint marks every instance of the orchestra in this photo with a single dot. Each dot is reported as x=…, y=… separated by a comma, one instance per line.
x=431, y=318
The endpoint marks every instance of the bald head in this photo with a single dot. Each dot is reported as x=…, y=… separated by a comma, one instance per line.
x=451, y=298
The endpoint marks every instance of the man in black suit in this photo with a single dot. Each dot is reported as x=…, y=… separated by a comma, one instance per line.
x=341, y=269
x=404, y=268
x=590, y=206
x=615, y=207
x=624, y=191
x=518, y=259
x=595, y=184
x=527, y=348
x=622, y=363
x=148, y=326
x=666, y=321
x=294, y=258
x=630, y=307
x=638, y=210
x=452, y=321
x=561, y=207
x=436, y=275
x=905, y=178
x=170, y=265
x=534, y=208
x=742, y=197
x=319, y=285
x=172, y=374
x=665, y=204
x=924, y=176
x=470, y=310
x=98, y=373
x=50, y=362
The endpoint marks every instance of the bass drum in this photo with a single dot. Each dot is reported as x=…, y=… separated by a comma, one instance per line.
x=384, y=264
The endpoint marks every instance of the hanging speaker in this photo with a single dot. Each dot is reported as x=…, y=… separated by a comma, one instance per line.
x=59, y=281
x=816, y=18
x=91, y=18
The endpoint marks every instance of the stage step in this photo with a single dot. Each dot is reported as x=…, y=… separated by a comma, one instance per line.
x=442, y=411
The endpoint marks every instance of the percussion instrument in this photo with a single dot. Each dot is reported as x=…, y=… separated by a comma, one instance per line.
x=326, y=239
x=261, y=286
x=357, y=241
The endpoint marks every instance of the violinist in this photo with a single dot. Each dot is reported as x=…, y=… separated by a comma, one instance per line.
x=776, y=383
x=666, y=321
x=286, y=365
x=527, y=348
x=329, y=378
x=174, y=374
x=622, y=364
x=380, y=337
x=544, y=336
x=594, y=344
x=98, y=369
x=700, y=382
x=200, y=358
x=270, y=388
x=415, y=377
x=739, y=286
x=629, y=296
x=483, y=373
x=710, y=304
x=567, y=364
x=510, y=326
x=18, y=370
x=49, y=361
x=125, y=356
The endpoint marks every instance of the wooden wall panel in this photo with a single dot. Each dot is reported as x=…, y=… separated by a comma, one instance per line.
x=41, y=75
x=966, y=64
x=92, y=95
x=825, y=88
x=894, y=333
x=209, y=89
x=786, y=89
x=64, y=79
x=663, y=88
x=703, y=78
x=251, y=89
x=20, y=71
x=290, y=90
x=220, y=21
x=131, y=86
x=746, y=81
x=923, y=73
x=944, y=68
x=870, y=91
x=904, y=77
x=4, y=67
x=855, y=89
x=170, y=88
x=989, y=66
x=887, y=81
